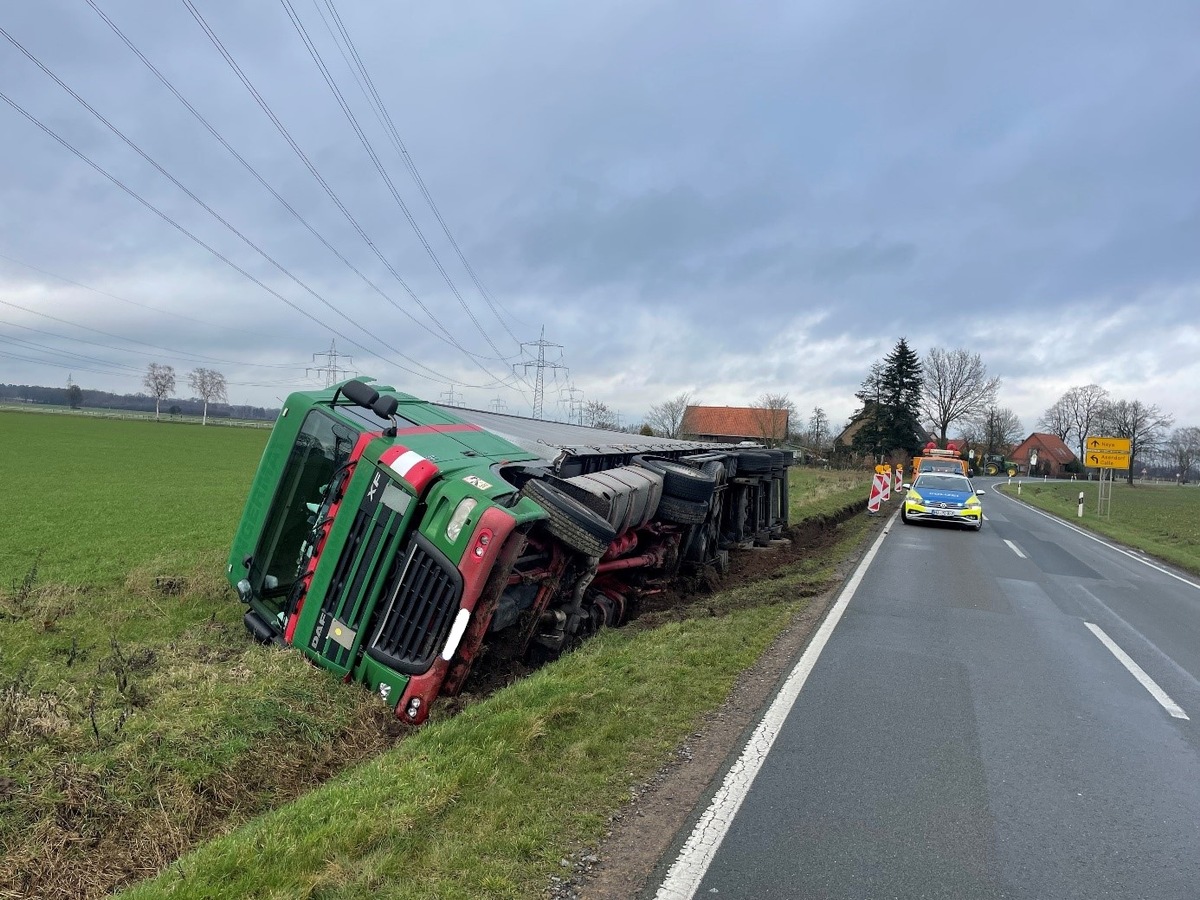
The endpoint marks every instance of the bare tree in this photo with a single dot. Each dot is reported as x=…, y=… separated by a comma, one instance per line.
x=159, y=381
x=1144, y=424
x=598, y=415
x=1183, y=450
x=209, y=385
x=1002, y=430
x=667, y=417
x=818, y=429
x=956, y=388
x=1083, y=406
x=1056, y=420
x=773, y=413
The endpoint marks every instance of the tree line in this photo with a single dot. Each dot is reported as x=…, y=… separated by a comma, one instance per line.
x=907, y=399
x=208, y=386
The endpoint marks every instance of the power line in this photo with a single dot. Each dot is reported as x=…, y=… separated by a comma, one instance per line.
x=73, y=367
x=232, y=63
x=165, y=312
x=384, y=117
x=191, y=195
x=257, y=176
x=160, y=350
x=114, y=368
x=434, y=376
x=374, y=157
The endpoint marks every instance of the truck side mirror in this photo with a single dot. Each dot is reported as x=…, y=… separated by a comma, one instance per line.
x=385, y=407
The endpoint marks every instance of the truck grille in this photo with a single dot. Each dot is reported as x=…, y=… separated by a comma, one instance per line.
x=421, y=607
x=367, y=562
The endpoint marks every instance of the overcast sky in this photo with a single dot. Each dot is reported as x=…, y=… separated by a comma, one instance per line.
x=723, y=198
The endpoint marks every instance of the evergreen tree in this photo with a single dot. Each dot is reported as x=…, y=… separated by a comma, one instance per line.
x=891, y=398
x=903, y=377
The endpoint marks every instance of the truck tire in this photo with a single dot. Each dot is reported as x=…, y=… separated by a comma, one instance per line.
x=680, y=481
x=755, y=462
x=682, y=512
x=570, y=521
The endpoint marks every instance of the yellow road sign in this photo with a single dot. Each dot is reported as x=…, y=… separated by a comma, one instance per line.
x=1101, y=459
x=1106, y=444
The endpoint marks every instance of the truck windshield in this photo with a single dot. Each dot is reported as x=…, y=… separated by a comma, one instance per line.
x=321, y=447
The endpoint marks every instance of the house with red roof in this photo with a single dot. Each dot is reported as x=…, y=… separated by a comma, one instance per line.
x=735, y=423
x=1044, y=454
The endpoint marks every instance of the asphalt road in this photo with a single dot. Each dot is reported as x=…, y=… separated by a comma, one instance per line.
x=969, y=731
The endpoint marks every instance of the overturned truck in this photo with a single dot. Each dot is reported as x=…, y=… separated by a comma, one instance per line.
x=392, y=540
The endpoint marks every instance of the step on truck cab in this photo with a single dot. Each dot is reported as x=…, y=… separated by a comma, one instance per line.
x=390, y=540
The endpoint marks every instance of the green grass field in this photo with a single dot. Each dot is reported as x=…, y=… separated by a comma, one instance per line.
x=91, y=500
x=140, y=721
x=1163, y=520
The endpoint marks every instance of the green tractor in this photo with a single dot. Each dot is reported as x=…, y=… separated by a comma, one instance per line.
x=996, y=464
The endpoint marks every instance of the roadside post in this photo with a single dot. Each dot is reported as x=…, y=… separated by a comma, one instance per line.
x=1080, y=513
x=1018, y=487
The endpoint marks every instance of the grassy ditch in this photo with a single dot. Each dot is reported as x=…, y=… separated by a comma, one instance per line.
x=1163, y=520
x=141, y=724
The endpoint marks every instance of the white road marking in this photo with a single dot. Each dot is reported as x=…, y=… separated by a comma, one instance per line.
x=1092, y=537
x=1015, y=549
x=686, y=873
x=1138, y=672
x=1180, y=670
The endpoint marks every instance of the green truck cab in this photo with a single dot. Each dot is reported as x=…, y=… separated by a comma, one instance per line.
x=388, y=539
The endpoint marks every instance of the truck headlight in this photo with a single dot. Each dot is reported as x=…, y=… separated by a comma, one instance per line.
x=462, y=512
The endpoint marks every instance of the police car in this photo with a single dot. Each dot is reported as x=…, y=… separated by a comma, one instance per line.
x=942, y=497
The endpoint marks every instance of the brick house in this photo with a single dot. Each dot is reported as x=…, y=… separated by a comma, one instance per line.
x=735, y=423
x=1052, y=456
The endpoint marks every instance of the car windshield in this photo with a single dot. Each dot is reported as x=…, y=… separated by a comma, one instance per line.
x=943, y=483
x=941, y=466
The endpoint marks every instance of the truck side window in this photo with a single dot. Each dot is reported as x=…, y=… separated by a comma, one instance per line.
x=321, y=447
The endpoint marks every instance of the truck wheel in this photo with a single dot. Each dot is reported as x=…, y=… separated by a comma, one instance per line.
x=569, y=520
x=680, y=481
x=682, y=512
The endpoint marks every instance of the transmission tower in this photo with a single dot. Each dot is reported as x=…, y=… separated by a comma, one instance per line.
x=574, y=404
x=498, y=405
x=331, y=371
x=450, y=397
x=540, y=365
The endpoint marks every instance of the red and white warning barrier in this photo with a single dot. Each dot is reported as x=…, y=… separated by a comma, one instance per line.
x=899, y=478
x=876, y=497
x=887, y=483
